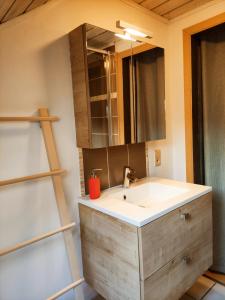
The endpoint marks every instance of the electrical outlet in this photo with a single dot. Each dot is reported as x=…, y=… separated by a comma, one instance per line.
x=157, y=157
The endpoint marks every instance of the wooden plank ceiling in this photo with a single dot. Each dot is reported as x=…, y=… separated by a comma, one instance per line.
x=171, y=8
x=10, y=9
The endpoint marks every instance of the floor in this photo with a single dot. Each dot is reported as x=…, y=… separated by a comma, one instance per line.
x=202, y=288
x=216, y=293
x=210, y=286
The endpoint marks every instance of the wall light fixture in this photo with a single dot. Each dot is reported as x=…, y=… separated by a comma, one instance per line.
x=133, y=30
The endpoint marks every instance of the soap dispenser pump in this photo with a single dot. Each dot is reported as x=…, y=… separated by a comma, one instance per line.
x=94, y=185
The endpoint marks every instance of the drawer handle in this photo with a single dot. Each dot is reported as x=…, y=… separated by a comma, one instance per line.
x=185, y=216
x=187, y=260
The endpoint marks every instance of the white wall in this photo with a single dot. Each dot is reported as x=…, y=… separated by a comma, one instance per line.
x=35, y=72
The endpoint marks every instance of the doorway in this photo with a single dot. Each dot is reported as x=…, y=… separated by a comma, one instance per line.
x=208, y=119
x=204, y=50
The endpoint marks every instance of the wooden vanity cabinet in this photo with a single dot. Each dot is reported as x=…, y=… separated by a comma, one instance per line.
x=160, y=260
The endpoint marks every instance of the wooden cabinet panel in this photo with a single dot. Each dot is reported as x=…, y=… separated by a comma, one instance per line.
x=110, y=255
x=163, y=239
x=176, y=277
x=160, y=260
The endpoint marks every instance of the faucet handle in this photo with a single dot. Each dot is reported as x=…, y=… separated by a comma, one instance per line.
x=131, y=175
x=128, y=170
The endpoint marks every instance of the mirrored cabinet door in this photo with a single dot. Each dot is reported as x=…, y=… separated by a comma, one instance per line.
x=144, y=95
x=103, y=97
x=97, y=81
x=118, y=86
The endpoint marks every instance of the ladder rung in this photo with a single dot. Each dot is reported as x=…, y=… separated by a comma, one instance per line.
x=66, y=289
x=31, y=177
x=34, y=240
x=29, y=119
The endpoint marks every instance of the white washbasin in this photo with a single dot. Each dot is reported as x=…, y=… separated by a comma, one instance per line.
x=146, y=200
x=148, y=194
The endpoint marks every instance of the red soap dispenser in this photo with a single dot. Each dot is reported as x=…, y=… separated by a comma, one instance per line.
x=94, y=185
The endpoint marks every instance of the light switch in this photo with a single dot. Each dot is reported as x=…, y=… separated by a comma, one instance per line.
x=157, y=157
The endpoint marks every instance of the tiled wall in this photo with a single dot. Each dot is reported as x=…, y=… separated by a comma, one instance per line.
x=112, y=161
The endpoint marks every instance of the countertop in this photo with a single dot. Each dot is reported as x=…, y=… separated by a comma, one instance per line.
x=139, y=216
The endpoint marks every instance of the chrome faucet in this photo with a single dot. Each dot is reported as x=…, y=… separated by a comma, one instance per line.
x=129, y=177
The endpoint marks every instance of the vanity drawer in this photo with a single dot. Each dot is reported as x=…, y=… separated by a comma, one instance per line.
x=161, y=240
x=176, y=277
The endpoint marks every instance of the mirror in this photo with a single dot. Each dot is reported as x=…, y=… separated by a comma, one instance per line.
x=144, y=95
x=125, y=89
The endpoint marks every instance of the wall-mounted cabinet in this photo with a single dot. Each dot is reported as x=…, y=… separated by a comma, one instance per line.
x=118, y=86
x=158, y=261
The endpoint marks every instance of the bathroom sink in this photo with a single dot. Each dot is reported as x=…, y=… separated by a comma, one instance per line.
x=148, y=194
x=146, y=200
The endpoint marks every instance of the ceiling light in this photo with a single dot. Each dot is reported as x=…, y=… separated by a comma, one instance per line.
x=125, y=36
x=133, y=30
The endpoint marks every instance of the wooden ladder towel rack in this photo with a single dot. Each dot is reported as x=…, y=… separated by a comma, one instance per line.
x=55, y=172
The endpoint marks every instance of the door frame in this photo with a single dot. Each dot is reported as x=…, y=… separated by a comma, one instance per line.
x=187, y=65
